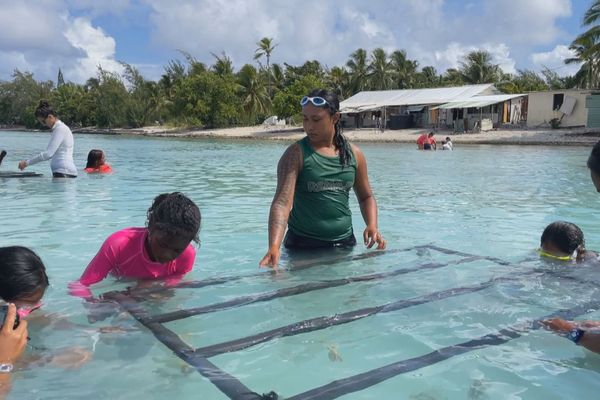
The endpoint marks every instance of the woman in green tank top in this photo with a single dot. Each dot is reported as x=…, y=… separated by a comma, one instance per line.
x=314, y=178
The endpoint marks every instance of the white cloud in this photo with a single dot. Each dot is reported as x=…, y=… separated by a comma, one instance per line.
x=98, y=48
x=330, y=32
x=41, y=37
x=454, y=54
x=95, y=7
x=555, y=60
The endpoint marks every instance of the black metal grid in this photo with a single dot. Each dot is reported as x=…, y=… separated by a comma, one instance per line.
x=234, y=389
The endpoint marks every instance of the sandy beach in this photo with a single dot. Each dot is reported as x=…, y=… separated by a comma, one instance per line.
x=572, y=137
x=517, y=136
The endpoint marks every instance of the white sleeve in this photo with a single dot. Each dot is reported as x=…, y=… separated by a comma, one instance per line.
x=58, y=135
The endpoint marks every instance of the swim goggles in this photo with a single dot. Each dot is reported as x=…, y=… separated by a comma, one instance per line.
x=316, y=101
x=558, y=258
x=26, y=310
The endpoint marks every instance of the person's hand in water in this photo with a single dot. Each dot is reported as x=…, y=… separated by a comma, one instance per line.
x=12, y=341
x=559, y=325
x=22, y=164
x=71, y=358
x=271, y=259
x=371, y=236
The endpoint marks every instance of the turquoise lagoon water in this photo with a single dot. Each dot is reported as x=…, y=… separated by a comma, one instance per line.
x=483, y=200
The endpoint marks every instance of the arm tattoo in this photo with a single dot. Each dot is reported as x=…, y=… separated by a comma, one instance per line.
x=288, y=169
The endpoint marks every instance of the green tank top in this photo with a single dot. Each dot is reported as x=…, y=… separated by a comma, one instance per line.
x=321, y=210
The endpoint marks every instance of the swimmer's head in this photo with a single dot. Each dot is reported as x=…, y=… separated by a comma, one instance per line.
x=173, y=222
x=95, y=158
x=321, y=116
x=593, y=163
x=23, y=278
x=562, y=241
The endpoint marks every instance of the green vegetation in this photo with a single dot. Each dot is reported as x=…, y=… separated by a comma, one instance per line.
x=194, y=95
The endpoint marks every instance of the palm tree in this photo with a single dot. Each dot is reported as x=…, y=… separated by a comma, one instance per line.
x=358, y=70
x=403, y=70
x=265, y=48
x=223, y=66
x=428, y=77
x=380, y=77
x=585, y=50
x=337, y=79
x=255, y=99
x=278, y=75
x=452, y=77
x=478, y=68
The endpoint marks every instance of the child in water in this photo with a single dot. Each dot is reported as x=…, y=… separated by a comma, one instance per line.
x=23, y=279
x=162, y=249
x=563, y=241
x=96, y=163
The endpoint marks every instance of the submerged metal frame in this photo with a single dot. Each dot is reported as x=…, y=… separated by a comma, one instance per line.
x=234, y=389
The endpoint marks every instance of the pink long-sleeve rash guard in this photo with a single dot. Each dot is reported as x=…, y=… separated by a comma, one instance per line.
x=124, y=254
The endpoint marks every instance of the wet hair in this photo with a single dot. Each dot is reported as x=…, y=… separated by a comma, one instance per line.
x=22, y=273
x=339, y=140
x=174, y=214
x=567, y=236
x=94, y=157
x=593, y=161
x=431, y=134
x=43, y=110
x=448, y=139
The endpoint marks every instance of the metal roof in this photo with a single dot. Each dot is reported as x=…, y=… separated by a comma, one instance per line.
x=369, y=100
x=480, y=101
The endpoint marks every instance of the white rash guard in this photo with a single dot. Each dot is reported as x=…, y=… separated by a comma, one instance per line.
x=60, y=150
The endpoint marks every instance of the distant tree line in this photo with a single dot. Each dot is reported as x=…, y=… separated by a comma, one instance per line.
x=192, y=94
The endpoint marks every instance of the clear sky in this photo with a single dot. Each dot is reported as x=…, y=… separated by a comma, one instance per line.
x=42, y=36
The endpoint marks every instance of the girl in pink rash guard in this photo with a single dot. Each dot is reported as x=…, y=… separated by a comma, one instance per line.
x=161, y=250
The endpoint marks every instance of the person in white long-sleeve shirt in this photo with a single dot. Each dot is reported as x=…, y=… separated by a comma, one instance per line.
x=60, y=148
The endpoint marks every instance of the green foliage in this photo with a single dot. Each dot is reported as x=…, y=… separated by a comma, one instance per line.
x=478, y=68
x=20, y=98
x=525, y=81
x=193, y=95
x=287, y=102
x=68, y=100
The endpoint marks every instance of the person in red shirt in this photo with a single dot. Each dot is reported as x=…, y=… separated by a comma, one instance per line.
x=96, y=163
x=422, y=140
x=427, y=142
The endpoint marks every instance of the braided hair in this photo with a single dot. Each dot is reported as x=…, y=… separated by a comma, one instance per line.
x=339, y=140
x=174, y=214
x=44, y=109
x=593, y=161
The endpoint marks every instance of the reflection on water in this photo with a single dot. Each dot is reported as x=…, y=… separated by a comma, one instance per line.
x=486, y=200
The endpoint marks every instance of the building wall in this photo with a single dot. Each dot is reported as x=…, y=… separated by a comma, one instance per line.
x=540, y=112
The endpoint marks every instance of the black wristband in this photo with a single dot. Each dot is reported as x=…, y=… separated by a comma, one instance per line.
x=575, y=335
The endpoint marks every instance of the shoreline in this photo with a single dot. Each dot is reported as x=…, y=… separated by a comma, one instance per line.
x=535, y=137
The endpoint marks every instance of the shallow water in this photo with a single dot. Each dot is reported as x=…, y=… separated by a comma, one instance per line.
x=483, y=200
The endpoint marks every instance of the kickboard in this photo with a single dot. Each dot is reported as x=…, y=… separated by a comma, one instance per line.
x=9, y=174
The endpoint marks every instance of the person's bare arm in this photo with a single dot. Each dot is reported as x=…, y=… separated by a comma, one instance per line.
x=288, y=168
x=366, y=201
x=591, y=337
x=12, y=345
